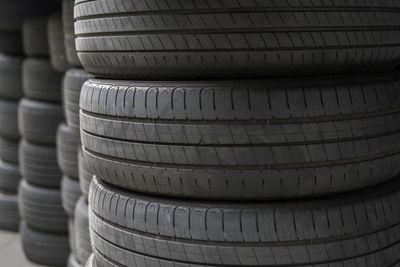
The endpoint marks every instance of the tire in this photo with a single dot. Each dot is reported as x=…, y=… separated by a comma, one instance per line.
x=70, y=193
x=44, y=248
x=41, y=208
x=85, y=176
x=71, y=236
x=9, y=177
x=84, y=248
x=243, y=139
x=72, y=262
x=73, y=81
x=320, y=232
x=9, y=219
x=41, y=81
x=34, y=32
x=67, y=151
x=8, y=119
x=164, y=39
x=38, y=165
x=90, y=262
x=69, y=34
x=10, y=76
x=56, y=42
x=9, y=150
x=38, y=121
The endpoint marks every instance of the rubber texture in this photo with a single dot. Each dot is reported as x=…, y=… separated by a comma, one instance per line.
x=41, y=208
x=34, y=32
x=44, y=248
x=84, y=248
x=10, y=76
x=8, y=119
x=71, y=236
x=9, y=150
x=69, y=33
x=70, y=193
x=38, y=121
x=258, y=139
x=356, y=228
x=9, y=177
x=41, y=81
x=67, y=151
x=90, y=262
x=85, y=176
x=73, y=81
x=55, y=32
x=9, y=219
x=164, y=39
x=38, y=165
x=72, y=262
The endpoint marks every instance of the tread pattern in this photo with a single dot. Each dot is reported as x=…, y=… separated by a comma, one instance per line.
x=9, y=150
x=9, y=219
x=38, y=121
x=358, y=227
x=10, y=76
x=67, y=151
x=69, y=33
x=241, y=38
x=85, y=176
x=9, y=177
x=55, y=33
x=8, y=119
x=84, y=248
x=248, y=139
x=35, y=40
x=41, y=208
x=70, y=193
x=41, y=81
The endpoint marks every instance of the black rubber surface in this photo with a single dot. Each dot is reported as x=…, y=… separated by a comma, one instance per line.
x=72, y=85
x=56, y=42
x=38, y=165
x=70, y=193
x=85, y=176
x=67, y=151
x=260, y=139
x=357, y=229
x=35, y=39
x=8, y=119
x=41, y=208
x=10, y=76
x=41, y=81
x=9, y=150
x=9, y=177
x=71, y=236
x=9, y=219
x=209, y=38
x=38, y=121
x=82, y=235
x=69, y=35
x=44, y=248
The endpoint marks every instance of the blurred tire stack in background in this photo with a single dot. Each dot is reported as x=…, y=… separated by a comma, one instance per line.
x=241, y=133
x=45, y=224
x=76, y=175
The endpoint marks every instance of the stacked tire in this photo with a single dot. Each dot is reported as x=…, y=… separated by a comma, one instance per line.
x=12, y=14
x=242, y=166
x=76, y=180
x=44, y=230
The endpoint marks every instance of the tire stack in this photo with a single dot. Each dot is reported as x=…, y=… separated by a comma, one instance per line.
x=76, y=180
x=45, y=224
x=217, y=163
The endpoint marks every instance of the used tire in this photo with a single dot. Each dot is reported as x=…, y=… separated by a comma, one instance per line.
x=9, y=150
x=9, y=177
x=38, y=121
x=72, y=261
x=41, y=81
x=56, y=42
x=8, y=119
x=69, y=35
x=70, y=193
x=72, y=85
x=235, y=39
x=44, y=248
x=90, y=262
x=84, y=248
x=38, y=165
x=41, y=208
x=9, y=219
x=85, y=176
x=35, y=40
x=10, y=76
x=243, y=139
x=345, y=230
x=71, y=236
x=67, y=151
